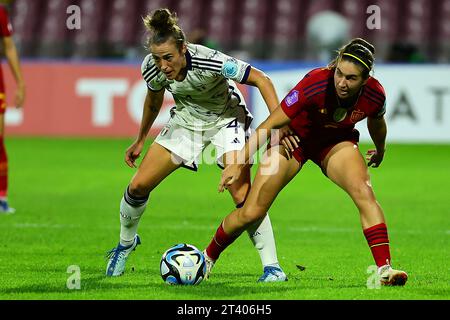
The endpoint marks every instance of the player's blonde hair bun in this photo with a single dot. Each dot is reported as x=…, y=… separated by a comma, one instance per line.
x=161, y=20
x=163, y=25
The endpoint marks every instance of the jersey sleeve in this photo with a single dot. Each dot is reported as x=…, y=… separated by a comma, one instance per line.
x=376, y=94
x=5, y=25
x=295, y=100
x=381, y=112
x=229, y=67
x=153, y=77
x=235, y=69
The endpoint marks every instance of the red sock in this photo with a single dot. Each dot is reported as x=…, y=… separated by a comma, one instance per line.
x=3, y=169
x=377, y=238
x=219, y=243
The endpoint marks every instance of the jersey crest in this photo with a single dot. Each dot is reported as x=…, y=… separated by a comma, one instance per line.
x=356, y=116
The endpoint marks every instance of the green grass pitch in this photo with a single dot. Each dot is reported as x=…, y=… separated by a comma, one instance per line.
x=67, y=193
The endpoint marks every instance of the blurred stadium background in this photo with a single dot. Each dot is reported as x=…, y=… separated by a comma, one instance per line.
x=86, y=81
x=262, y=29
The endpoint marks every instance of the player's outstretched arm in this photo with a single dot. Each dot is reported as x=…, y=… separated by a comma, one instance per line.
x=231, y=173
x=152, y=106
x=14, y=64
x=259, y=79
x=378, y=130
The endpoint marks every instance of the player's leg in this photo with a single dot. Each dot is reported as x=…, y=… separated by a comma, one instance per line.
x=156, y=165
x=228, y=141
x=275, y=171
x=261, y=232
x=4, y=207
x=173, y=147
x=346, y=167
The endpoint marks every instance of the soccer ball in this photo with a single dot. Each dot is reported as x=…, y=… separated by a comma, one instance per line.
x=183, y=264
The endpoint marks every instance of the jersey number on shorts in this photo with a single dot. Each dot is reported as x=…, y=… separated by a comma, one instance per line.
x=234, y=124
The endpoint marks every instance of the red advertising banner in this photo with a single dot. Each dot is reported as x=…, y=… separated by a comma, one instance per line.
x=81, y=99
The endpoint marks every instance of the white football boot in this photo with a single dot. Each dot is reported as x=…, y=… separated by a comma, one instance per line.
x=392, y=277
x=5, y=208
x=273, y=274
x=118, y=257
x=209, y=264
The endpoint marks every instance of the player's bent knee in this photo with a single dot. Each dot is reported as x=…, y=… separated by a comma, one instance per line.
x=139, y=189
x=362, y=191
x=248, y=216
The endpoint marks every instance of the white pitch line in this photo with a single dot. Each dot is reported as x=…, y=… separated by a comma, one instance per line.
x=188, y=225
x=43, y=226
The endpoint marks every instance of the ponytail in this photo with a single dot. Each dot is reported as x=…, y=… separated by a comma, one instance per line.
x=163, y=25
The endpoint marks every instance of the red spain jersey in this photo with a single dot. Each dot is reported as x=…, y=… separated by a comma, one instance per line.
x=5, y=25
x=5, y=31
x=320, y=119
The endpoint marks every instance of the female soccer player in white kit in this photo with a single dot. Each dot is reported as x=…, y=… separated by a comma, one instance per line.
x=209, y=109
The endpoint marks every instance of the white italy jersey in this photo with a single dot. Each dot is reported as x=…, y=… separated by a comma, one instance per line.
x=208, y=97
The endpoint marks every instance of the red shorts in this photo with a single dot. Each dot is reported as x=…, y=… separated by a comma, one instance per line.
x=317, y=150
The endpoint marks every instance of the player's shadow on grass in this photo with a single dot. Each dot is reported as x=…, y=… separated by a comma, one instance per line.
x=298, y=279
x=220, y=286
x=96, y=283
x=102, y=286
x=222, y=290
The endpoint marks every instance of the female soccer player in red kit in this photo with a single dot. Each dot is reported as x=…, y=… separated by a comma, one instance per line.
x=322, y=110
x=13, y=60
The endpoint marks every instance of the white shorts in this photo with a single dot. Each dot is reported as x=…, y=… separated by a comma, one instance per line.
x=187, y=146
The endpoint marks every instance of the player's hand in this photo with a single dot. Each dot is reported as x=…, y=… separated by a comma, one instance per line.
x=288, y=139
x=20, y=96
x=374, y=158
x=133, y=152
x=229, y=175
